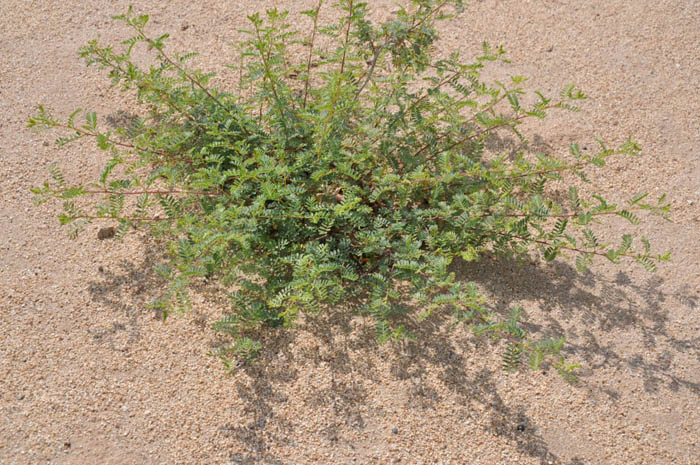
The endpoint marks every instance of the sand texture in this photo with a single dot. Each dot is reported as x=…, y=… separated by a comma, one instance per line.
x=88, y=375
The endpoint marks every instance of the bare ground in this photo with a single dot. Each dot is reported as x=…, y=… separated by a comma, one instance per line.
x=89, y=376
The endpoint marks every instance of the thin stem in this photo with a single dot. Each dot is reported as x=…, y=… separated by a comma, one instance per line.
x=156, y=192
x=83, y=132
x=347, y=36
x=539, y=241
x=575, y=167
x=180, y=68
x=311, y=49
x=95, y=217
x=520, y=215
x=471, y=136
x=265, y=57
x=188, y=76
x=436, y=87
x=115, y=65
x=426, y=17
x=240, y=74
x=381, y=47
x=377, y=51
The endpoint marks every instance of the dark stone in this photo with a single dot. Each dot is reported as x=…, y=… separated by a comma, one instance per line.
x=395, y=431
x=105, y=233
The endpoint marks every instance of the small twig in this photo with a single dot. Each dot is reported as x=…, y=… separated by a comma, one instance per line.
x=83, y=132
x=311, y=49
x=156, y=192
x=188, y=76
x=347, y=36
x=161, y=92
x=471, y=136
x=96, y=217
x=377, y=51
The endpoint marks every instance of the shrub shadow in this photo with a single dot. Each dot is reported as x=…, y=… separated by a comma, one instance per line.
x=568, y=301
x=125, y=289
x=580, y=307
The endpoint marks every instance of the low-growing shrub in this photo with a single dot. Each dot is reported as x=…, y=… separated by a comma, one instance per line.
x=348, y=169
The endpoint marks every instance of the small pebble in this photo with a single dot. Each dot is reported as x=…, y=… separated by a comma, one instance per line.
x=66, y=444
x=100, y=269
x=521, y=428
x=395, y=431
x=20, y=396
x=106, y=233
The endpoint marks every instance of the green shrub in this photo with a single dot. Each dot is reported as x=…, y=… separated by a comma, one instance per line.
x=347, y=170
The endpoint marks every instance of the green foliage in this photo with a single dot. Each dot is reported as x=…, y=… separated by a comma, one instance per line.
x=354, y=172
x=244, y=351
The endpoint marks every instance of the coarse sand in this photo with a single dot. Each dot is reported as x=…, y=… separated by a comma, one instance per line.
x=88, y=375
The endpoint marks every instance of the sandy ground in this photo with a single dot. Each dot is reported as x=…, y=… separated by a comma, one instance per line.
x=89, y=376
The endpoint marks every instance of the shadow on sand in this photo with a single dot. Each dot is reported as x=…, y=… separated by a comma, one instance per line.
x=580, y=307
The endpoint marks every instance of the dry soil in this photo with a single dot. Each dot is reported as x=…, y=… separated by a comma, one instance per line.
x=88, y=375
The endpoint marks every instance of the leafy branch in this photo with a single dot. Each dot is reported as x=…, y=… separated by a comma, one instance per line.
x=355, y=172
